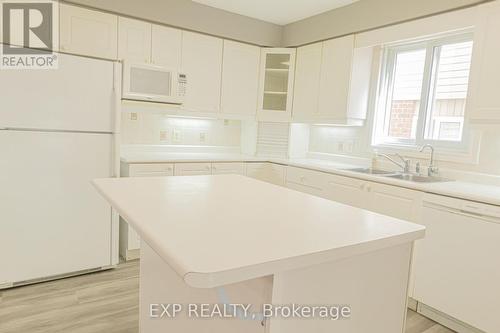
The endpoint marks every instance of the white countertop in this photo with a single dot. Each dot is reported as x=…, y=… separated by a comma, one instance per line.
x=217, y=230
x=489, y=194
x=159, y=157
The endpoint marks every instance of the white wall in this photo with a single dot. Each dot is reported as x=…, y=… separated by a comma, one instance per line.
x=363, y=15
x=190, y=15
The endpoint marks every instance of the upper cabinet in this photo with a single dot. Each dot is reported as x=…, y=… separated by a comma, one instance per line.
x=88, y=32
x=149, y=43
x=332, y=82
x=166, y=46
x=276, y=84
x=134, y=40
x=240, y=80
x=307, y=76
x=483, y=103
x=202, y=63
x=337, y=89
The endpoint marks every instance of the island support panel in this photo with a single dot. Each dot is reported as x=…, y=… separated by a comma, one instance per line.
x=373, y=285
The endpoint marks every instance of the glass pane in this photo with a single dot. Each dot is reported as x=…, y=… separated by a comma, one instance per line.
x=445, y=116
x=277, y=61
x=276, y=82
x=406, y=93
x=276, y=102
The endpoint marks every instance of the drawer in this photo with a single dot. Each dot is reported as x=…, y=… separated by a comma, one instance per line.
x=192, y=169
x=308, y=178
x=228, y=168
x=151, y=170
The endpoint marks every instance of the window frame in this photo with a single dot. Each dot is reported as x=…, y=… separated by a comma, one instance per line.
x=385, y=90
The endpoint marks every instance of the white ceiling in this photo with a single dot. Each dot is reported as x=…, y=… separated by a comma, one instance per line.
x=277, y=11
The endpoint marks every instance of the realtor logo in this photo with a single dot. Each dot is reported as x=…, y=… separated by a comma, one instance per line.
x=28, y=35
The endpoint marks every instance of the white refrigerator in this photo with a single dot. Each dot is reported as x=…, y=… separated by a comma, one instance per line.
x=58, y=131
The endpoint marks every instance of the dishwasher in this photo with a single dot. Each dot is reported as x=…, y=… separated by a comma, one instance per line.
x=457, y=264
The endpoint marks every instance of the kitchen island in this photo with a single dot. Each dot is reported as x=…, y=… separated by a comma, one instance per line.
x=231, y=240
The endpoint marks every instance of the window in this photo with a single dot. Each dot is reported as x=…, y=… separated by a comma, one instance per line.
x=422, y=94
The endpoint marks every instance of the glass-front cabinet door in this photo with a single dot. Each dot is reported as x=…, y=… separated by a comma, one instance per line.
x=276, y=84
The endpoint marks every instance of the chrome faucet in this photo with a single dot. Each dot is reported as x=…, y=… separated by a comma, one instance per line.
x=405, y=165
x=433, y=169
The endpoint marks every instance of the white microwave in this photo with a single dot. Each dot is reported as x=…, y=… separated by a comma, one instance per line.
x=146, y=82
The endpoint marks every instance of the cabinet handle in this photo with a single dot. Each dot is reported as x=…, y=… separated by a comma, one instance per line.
x=369, y=188
x=362, y=186
x=302, y=179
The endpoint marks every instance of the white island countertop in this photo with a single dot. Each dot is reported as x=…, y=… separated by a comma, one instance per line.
x=217, y=230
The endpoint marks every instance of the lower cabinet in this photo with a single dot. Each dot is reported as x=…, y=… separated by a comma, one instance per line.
x=224, y=168
x=192, y=169
x=398, y=202
x=129, y=240
x=349, y=191
x=307, y=181
x=268, y=172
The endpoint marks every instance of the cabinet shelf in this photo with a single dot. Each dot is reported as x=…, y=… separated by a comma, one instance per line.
x=275, y=92
x=278, y=70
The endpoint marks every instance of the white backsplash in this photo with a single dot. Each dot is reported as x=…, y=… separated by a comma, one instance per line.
x=146, y=128
x=335, y=140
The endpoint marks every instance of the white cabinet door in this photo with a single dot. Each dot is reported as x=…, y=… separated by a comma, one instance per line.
x=483, y=103
x=308, y=181
x=134, y=40
x=240, y=79
x=268, y=172
x=202, y=63
x=335, y=78
x=223, y=168
x=192, y=169
x=166, y=47
x=347, y=190
x=398, y=202
x=88, y=32
x=307, y=76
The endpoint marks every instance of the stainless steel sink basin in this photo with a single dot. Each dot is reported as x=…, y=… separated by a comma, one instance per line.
x=419, y=179
x=371, y=171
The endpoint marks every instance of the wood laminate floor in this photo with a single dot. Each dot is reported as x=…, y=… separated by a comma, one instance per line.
x=104, y=302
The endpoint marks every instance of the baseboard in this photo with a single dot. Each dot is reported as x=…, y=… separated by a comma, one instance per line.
x=54, y=277
x=446, y=320
x=132, y=254
x=412, y=304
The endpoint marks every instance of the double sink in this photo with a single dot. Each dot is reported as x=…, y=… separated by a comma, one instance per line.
x=399, y=175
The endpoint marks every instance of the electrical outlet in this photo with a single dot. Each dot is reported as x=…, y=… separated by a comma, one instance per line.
x=349, y=147
x=203, y=137
x=163, y=136
x=176, y=136
x=340, y=147
x=133, y=116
